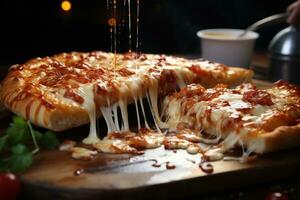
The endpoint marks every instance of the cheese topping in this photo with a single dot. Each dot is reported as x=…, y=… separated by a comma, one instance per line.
x=233, y=114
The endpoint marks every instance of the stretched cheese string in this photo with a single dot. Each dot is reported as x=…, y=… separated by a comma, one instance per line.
x=111, y=116
x=172, y=113
x=152, y=113
x=107, y=114
x=137, y=112
x=116, y=117
x=92, y=137
x=245, y=157
x=106, y=117
x=143, y=111
x=87, y=92
x=124, y=113
x=153, y=93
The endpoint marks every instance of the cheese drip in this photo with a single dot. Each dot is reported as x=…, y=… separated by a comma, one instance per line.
x=116, y=117
x=124, y=113
x=107, y=114
x=87, y=92
x=152, y=112
x=153, y=94
x=143, y=111
x=137, y=112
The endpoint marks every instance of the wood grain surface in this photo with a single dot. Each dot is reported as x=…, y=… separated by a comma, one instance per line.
x=126, y=177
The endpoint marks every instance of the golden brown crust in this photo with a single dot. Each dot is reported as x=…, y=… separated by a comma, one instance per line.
x=239, y=76
x=283, y=137
x=61, y=117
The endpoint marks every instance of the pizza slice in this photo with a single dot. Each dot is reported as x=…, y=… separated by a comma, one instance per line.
x=258, y=120
x=72, y=89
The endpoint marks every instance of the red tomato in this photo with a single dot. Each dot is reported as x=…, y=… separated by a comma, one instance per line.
x=9, y=186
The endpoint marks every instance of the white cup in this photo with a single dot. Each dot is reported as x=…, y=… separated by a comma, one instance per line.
x=224, y=46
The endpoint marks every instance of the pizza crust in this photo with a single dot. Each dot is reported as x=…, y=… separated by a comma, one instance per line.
x=238, y=76
x=59, y=118
x=282, y=137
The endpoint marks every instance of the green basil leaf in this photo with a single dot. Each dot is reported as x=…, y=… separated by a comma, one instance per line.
x=20, y=160
x=3, y=141
x=49, y=140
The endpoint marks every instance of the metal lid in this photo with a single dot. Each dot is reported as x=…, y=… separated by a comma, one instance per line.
x=286, y=42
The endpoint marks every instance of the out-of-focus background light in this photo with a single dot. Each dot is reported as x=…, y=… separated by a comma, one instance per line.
x=111, y=22
x=66, y=5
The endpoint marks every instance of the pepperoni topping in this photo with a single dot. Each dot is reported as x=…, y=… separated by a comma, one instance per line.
x=190, y=91
x=75, y=97
x=199, y=71
x=211, y=94
x=294, y=89
x=47, y=104
x=50, y=80
x=125, y=72
x=129, y=56
x=199, y=92
x=101, y=89
x=258, y=97
x=138, y=142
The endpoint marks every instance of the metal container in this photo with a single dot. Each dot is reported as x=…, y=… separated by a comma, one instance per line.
x=285, y=56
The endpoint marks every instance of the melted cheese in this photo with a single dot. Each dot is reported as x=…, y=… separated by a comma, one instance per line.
x=152, y=112
x=193, y=149
x=152, y=93
x=87, y=92
x=114, y=146
x=82, y=153
x=143, y=111
x=116, y=117
x=124, y=113
x=226, y=115
x=67, y=145
x=214, y=154
x=173, y=113
x=107, y=114
x=137, y=113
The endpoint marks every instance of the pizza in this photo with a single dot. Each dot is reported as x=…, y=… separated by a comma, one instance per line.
x=258, y=120
x=192, y=102
x=72, y=89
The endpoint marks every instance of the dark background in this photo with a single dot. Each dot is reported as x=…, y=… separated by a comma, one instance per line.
x=32, y=28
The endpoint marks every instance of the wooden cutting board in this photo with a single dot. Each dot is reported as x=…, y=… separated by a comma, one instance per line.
x=124, y=176
x=127, y=176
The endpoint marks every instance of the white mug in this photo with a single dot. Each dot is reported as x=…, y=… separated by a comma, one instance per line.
x=224, y=46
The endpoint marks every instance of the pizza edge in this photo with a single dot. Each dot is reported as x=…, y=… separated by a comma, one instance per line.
x=55, y=116
x=283, y=137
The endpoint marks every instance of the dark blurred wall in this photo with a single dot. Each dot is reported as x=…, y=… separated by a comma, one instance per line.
x=38, y=28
